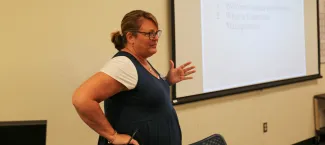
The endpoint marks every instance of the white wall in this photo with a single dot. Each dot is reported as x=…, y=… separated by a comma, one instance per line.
x=49, y=47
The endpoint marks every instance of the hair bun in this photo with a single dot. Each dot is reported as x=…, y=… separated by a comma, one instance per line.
x=115, y=33
x=117, y=39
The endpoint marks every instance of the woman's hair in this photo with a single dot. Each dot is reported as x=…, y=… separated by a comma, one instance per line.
x=131, y=22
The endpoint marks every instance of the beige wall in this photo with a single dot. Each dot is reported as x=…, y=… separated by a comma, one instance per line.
x=49, y=47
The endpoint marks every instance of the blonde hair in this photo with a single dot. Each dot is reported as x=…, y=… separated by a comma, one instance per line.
x=131, y=22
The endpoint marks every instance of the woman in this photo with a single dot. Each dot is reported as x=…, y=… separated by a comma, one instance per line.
x=137, y=104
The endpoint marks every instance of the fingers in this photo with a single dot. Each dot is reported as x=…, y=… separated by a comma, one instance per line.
x=187, y=78
x=125, y=139
x=189, y=72
x=184, y=71
x=189, y=68
x=185, y=64
x=171, y=64
x=134, y=142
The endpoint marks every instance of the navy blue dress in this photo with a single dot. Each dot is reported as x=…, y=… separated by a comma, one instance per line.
x=146, y=108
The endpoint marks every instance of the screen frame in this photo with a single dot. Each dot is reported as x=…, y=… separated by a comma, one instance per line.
x=227, y=92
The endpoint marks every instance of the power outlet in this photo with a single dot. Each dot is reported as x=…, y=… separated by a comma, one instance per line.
x=265, y=127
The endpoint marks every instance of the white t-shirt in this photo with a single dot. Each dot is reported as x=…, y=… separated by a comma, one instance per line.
x=123, y=70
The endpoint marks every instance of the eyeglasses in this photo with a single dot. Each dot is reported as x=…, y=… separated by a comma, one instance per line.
x=151, y=35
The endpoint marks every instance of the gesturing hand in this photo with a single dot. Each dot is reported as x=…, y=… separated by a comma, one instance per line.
x=180, y=73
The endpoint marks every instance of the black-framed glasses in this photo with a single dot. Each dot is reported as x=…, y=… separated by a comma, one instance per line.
x=151, y=35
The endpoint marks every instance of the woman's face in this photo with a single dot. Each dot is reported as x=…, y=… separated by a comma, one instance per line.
x=144, y=44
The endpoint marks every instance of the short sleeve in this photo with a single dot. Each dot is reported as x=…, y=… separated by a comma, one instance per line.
x=123, y=70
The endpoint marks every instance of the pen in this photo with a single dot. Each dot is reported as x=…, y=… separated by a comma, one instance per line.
x=136, y=130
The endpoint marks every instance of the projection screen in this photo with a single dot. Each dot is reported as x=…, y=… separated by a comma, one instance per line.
x=243, y=45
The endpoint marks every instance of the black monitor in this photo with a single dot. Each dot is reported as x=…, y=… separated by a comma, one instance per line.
x=23, y=132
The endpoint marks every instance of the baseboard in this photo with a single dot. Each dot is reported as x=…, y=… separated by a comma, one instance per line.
x=309, y=141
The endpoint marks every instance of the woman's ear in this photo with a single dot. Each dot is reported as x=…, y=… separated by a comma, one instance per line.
x=130, y=37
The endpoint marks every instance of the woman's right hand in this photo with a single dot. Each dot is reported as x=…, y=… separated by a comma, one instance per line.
x=123, y=139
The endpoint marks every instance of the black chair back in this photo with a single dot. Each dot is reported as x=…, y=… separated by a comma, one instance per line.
x=215, y=139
